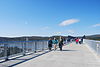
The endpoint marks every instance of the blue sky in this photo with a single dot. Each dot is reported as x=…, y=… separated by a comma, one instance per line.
x=49, y=17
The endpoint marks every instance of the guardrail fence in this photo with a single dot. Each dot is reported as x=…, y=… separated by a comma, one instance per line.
x=14, y=48
x=94, y=45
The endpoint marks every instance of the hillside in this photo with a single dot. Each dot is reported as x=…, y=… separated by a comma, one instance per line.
x=93, y=37
x=27, y=38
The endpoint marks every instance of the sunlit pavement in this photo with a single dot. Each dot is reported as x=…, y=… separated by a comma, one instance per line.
x=73, y=55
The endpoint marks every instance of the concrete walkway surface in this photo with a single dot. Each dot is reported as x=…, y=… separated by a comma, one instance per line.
x=73, y=55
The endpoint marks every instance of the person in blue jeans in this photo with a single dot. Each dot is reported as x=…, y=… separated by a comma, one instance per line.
x=55, y=42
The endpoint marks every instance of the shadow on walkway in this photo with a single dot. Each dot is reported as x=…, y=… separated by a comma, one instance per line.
x=68, y=50
x=24, y=60
x=16, y=58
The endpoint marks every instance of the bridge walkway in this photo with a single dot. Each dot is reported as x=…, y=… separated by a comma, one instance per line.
x=73, y=55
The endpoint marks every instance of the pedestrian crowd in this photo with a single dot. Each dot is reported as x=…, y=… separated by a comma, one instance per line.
x=79, y=40
x=54, y=43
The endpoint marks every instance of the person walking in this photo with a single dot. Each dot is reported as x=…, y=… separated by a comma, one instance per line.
x=61, y=43
x=55, y=42
x=50, y=44
x=77, y=40
x=82, y=40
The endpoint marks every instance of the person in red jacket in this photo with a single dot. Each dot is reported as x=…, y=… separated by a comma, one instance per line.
x=77, y=40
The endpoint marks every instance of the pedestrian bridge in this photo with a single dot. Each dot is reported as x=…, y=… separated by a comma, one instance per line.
x=72, y=55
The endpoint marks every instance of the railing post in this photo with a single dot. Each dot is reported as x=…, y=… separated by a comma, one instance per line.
x=97, y=48
x=6, y=51
x=47, y=44
x=35, y=46
x=42, y=45
x=24, y=49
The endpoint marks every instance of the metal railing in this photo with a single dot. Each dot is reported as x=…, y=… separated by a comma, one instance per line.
x=14, y=48
x=94, y=45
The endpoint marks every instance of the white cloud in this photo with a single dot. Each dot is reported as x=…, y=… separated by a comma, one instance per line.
x=57, y=33
x=45, y=28
x=68, y=22
x=71, y=31
x=96, y=25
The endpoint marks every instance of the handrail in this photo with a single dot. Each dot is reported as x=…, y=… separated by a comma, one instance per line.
x=14, y=48
x=93, y=45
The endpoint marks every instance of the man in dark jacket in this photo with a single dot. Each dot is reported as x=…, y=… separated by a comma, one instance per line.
x=61, y=43
x=50, y=44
